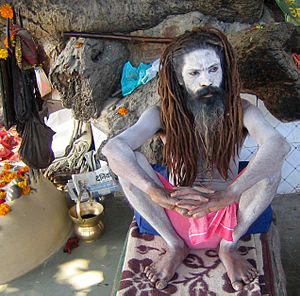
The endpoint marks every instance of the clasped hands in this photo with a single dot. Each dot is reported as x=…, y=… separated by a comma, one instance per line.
x=193, y=202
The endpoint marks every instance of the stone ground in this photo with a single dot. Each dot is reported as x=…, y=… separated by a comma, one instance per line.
x=287, y=219
x=90, y=269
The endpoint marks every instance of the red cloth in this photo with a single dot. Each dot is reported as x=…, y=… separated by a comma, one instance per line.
x=296, y=58
x=9, y=144
x=205, y=232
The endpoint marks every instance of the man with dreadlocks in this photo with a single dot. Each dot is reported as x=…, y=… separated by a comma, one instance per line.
x=203, y=123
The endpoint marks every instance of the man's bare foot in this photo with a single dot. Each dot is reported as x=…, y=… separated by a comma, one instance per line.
x=239, y=270
x=162, y=271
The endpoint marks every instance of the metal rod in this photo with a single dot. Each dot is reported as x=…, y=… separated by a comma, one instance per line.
x=146, y=39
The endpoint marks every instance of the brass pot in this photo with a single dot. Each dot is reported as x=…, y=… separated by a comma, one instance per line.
x=87, y=218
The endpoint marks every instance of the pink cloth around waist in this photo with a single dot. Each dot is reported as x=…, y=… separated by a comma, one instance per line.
x=207, y=231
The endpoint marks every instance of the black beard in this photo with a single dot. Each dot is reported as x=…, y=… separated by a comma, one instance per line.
x=208, y=112
x=207, y=107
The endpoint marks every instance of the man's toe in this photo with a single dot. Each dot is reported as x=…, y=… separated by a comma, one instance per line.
x=153, y=278
x=254, y=272
x=161, y=284
x=253, y=275
x=149, y=273
x=237, y=285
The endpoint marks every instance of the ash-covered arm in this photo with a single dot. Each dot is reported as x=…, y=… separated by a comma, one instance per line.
x=269, y=158
x=120, y=150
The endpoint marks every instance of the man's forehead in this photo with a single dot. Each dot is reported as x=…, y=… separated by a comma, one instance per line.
x=203, y=57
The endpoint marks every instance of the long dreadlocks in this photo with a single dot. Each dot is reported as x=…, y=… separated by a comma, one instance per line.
x=182, y=148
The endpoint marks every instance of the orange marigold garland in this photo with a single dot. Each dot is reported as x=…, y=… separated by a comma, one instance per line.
x=7, y=166
x=12, y=41
x=19, y=178
x=23, y=170
x=2, y=183
x=26, y=190
x=3, y=53
x=4, y=209
x=24, y=186
x=2, y=194
x=6, y=11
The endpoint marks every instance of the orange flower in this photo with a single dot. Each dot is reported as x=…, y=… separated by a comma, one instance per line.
x=7, y=166
x=78, y=44
x=9, y=177
x=22, y=184
x=12, y=41
x=26, y=190
x=122, y=111
x=6, y=11
x=4, y=209
x=23, y=170
x=21, y=176
x=3, y=53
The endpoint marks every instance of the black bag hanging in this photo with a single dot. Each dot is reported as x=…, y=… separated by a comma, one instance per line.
x=7, y=95
x=6, y=85
x=35, y=149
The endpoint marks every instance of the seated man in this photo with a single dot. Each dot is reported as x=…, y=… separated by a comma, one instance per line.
x=203, y=123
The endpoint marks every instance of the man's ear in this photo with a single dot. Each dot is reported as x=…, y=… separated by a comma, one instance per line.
x=179, y=78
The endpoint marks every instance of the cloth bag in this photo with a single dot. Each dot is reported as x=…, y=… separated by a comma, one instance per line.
x=35, y=149
x=29, y=55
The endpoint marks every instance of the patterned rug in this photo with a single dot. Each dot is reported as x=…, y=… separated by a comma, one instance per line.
x=201, y=273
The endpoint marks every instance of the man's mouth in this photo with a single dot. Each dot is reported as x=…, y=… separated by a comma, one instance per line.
x=209, y=95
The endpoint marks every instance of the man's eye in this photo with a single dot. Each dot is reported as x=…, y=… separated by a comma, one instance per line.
x=214, y=69
x=194, y=73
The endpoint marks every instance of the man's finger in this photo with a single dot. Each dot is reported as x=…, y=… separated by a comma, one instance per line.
x=188, y=202
x=181, y=211
x=183, y=191
x=187, y=207
x=201, y=208
x=196, y=197
x=203, y=189
x=170, y=202
x=166, y=202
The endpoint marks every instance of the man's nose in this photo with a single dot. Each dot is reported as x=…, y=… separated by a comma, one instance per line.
x=204, y=79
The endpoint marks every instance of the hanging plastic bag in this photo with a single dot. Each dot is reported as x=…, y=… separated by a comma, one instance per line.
x=151, y=72
x=43, y=83
x=132, y=77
